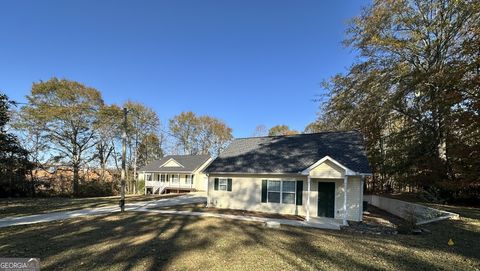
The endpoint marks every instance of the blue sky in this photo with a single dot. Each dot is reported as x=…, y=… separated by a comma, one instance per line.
x=245, y=62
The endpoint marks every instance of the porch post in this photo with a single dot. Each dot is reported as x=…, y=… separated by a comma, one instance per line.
x=345, y=200
x=362, y=181
x=145, y=183
x=308, y=198
x=208, y=191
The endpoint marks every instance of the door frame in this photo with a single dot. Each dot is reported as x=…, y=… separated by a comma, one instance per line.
x=334, y=196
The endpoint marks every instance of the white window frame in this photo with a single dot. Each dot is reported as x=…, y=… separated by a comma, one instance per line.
x=163, y=178
x=188, y=179
x=148, y=177
x=281, y=191
x=274, y=191
x=174, y=179
x=222, y=182
x=289, y=192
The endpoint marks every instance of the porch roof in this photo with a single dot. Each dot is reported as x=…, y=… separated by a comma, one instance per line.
x=186, y=164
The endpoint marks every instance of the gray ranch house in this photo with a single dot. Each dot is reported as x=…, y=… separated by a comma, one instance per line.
x=312, y=175
x=175, y=173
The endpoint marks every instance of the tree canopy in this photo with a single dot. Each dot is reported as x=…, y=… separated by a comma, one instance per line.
x=66, y=111
x=14, y=162
x=149, y=149
x=413, y=92
x=279, y=130
x=199, y=134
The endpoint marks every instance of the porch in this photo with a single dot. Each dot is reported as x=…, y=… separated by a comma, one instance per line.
x=334, y=191
x=158, y=182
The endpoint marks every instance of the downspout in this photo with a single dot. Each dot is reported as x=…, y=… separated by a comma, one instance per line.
x=345, y=178
x=208, y=190
x=144, y=183
x=308, y=198
x=362, y=181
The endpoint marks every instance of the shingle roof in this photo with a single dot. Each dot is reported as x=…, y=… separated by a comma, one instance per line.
x=189, y=162
x=291, y=154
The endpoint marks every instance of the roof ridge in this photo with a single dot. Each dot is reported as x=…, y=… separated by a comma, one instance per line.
x=185, y=155
x=301, y=134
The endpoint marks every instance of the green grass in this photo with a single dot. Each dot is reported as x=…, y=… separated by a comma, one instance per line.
x=201, y=207
x=15, y=207
x=146, y=241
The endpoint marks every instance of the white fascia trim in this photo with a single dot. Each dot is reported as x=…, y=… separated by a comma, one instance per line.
x=171, y=160
x=203, y=166
x=256, y=173
x=348, y=171
x=169, y=172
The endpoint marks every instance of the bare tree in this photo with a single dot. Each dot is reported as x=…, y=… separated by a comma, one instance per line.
x=260, y=130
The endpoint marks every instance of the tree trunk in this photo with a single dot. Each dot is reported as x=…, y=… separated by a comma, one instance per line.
x=32, y=183
x=134, y=179
x=75, y=179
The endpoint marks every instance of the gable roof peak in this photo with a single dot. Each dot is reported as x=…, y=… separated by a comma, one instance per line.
x=187, y=163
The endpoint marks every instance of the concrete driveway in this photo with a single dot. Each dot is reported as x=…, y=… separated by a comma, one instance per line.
x=149, y=206
x=136, y=206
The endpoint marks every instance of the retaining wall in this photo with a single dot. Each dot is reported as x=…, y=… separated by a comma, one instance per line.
x=407, y=210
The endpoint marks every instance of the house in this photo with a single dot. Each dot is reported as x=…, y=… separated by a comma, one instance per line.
x=305, y=174
x=175, y=173
x=58, y=179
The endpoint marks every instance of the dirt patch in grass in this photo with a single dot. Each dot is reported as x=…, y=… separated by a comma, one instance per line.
x=148, y=241
x=376, y=221
x=15, y=207
x=201, y=207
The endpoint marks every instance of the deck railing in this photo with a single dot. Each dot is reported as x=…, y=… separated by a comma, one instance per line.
x=172, y=181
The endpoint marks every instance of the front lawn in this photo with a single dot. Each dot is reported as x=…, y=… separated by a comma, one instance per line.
x=201, y=207
x=14, y=207
x=139, y=241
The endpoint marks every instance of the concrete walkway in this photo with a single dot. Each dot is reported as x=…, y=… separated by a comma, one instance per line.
x=318, y=223
x=147, y=207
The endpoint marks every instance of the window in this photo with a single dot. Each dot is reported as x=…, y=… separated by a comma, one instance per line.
x=274, y=188
x=288, y=192
x=148, y=177
x=188, y=179
x=222, y=184
x=158, y=177
x=281, y=191
x=162, y=178
x=175, y=178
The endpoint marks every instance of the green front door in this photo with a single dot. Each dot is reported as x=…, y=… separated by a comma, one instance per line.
x=326, y=199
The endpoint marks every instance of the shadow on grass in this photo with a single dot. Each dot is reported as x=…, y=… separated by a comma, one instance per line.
x=140, y=241
x=15, y=207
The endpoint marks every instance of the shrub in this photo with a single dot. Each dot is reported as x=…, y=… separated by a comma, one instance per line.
x=96, y=188
x=141, y=186
x=410, y=221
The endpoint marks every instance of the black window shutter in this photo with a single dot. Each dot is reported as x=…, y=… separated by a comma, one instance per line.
x=299, y=192
x=215, y=186
x=229, y=184
x=264, y=190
